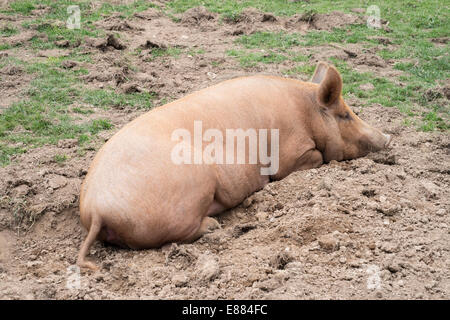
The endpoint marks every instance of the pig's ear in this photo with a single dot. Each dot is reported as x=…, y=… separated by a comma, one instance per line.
x=319, y=74
x=330, y=87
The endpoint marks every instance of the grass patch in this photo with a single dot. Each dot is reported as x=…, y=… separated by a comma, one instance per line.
x=7, y=151
x=8, y=30
x=4, y=46
x=164, y=52
x=251, y=59
x=60, y=158
x=307, y=69
x=23, y=7
x=44, y=117
x=269, y=40
x=109, y=98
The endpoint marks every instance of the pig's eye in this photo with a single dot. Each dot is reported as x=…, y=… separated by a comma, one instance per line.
x=345, y=116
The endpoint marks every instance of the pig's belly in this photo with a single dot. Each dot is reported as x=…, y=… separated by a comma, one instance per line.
x=235, y=184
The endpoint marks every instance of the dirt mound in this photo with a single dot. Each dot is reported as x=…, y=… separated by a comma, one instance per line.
x=335, y=19
x=13, y=82
x=24, y=190
x=317, y=21
x=371, y=61
x=149, y=14
x=197, y=16
x=252, y=15
x=116, y=23
x=437, y=93
x=21, y=38
x=110, y=42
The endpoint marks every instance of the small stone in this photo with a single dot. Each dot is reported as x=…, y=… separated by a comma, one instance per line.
x=389, y=247
x=343, y=209
x=280, y=260
x=207, y=267
x=57, y=181
x=388, y=209
x=329, y=242
x=393, y=267
x=261, y=216
x=430, y=189
x=179, y=280
x=326, y=184
x=211, y=75
x=68, y=64
x=131, y=88
x=62, y=43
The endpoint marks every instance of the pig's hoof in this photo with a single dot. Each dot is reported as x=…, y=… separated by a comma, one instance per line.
x=209, y=225
x=88, y=265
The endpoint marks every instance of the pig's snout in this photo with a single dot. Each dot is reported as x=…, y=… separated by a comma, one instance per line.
x=374, y=139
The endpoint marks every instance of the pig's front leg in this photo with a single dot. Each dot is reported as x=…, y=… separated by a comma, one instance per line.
x=308, y=160
x=207, y=225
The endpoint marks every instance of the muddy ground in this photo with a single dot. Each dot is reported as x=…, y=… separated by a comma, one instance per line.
x=371, y=228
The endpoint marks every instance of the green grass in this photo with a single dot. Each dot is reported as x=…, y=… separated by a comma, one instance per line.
x=8, y=30
x=196, y=51
x=60, y=158
x=307, y=69
x=251, y=59
x=44, y=116
x=232, y=8
x=269, y=40
x=22, y=6
x=109, y=98
x=4, y=46
x=7, y=151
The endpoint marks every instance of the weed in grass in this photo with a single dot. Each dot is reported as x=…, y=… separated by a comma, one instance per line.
x=60, y=158
x=164, y=52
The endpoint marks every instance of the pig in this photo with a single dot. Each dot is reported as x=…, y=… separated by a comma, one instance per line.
x=135, y=196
